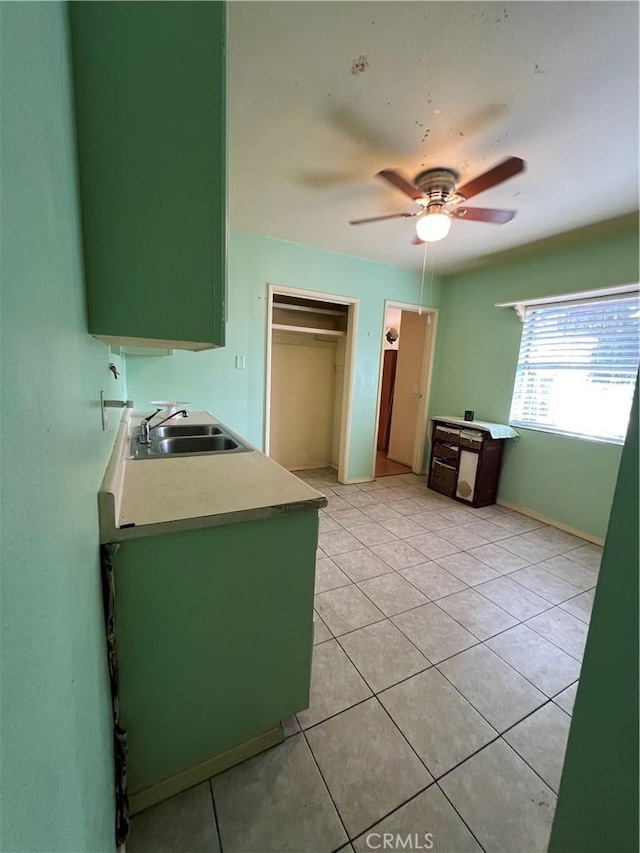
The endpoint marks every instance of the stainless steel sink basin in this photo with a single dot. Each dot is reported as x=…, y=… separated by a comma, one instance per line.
x=188, y=429
x=187, y=440
x=196, y=444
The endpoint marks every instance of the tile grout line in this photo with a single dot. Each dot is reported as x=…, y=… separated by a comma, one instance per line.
x=419, y=793
x=552, y=642
x=337, y=713
x=546, y=601
x=500, y=737
x=444, y=794
x=373, y=692
x=374, y=695
x=303, y=732
x=386, y=619
x=215, y=813
x=434, y=779
x=553, y=698
x=393, y=811
x=552, y=603
x=500, y=658
x=533, y=770
x=481, y=639
x=562, y=603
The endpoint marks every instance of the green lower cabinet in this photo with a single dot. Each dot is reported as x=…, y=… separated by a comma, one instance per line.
x=214, y=632
x=150, y=107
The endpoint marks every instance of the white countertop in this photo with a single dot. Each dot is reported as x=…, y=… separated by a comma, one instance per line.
x=145, y=497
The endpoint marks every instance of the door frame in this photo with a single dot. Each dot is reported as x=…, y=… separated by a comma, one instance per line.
x=426, y=374
x=353, y=306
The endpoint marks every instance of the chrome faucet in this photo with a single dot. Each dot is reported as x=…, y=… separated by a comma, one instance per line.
x=145, y=427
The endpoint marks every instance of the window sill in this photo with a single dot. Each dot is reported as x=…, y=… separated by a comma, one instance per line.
x=553, y=431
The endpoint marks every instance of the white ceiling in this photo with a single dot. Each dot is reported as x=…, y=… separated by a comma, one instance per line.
x=555, y=83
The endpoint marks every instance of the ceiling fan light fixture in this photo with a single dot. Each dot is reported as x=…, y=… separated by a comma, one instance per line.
x=433, y=227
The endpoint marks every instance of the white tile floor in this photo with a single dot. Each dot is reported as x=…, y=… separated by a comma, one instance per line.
x=448, y=644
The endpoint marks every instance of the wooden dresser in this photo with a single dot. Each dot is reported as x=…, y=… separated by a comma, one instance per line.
x=466, y=458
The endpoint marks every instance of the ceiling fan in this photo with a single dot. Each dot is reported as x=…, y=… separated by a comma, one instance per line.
x=439, y=199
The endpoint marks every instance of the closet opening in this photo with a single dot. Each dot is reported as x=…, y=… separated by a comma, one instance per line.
x=310, y=355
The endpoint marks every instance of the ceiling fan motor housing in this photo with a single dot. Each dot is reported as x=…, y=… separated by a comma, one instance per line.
x=437, y=184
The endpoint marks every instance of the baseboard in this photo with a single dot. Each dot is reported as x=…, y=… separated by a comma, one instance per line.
x=532, y=513
x=201, y=772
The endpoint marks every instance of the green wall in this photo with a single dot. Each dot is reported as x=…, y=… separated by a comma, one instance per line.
x=56, y=783
x=476, y=356
x=570, y=480
x=599, y=793
x=210, y=380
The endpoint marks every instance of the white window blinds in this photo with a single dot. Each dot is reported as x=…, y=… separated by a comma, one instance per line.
x=577, y=368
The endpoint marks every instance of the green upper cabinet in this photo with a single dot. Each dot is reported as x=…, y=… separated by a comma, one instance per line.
x=150, y=97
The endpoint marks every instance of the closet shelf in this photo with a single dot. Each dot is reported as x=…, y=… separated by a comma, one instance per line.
x=331, y=332
x=286, y=306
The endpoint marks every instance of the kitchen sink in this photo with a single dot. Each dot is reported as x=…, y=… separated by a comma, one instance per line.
x=196, y=444
x=187, y=440
x=189, y=429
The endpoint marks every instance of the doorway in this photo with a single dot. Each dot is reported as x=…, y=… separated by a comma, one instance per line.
x=405, y=378
x=310, y=343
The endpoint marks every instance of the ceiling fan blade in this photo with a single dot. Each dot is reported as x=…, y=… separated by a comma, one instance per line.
x=502, y=172
x=400, y=183
x=380, y=218
x=483, y=214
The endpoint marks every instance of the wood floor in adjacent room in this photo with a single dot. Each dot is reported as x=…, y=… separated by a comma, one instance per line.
x=386, y=467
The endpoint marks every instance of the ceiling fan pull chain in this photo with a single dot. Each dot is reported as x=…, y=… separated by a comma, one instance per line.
x=431, y=273
x=424, y=266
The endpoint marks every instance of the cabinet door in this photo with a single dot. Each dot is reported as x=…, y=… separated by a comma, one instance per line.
x=214, y=631
x=150, y=100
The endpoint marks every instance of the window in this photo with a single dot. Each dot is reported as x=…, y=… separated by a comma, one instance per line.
x=577, y=367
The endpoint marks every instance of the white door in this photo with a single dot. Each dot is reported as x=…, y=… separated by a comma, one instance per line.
x=408, y=388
